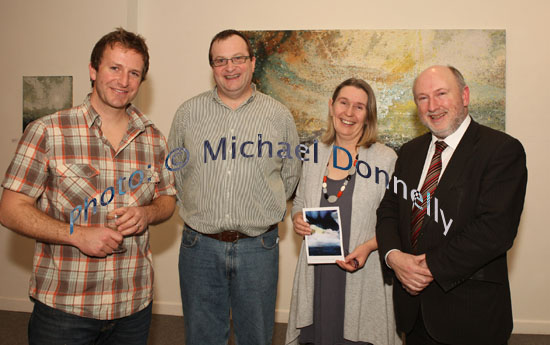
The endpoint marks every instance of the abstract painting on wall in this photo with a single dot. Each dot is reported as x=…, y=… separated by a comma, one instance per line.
x=45, y=95
x=302, y=68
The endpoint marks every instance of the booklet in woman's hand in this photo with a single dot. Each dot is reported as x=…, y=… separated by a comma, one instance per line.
x=324, y=245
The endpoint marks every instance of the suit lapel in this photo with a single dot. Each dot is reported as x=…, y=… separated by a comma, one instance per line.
x=458, y=162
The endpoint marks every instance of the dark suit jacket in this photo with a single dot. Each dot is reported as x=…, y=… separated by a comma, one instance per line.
x=482, y=190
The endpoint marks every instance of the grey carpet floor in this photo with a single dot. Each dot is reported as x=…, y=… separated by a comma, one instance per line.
x=168, y=330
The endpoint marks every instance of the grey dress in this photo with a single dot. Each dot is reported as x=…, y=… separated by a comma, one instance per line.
x=330, y=280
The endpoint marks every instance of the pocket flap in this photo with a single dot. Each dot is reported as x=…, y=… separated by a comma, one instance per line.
x=76, y=170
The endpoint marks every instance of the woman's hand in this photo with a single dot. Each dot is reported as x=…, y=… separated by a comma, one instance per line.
x=356, y=259
x=301, y=227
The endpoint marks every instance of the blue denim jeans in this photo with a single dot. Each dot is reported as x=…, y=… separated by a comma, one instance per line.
x=49, y=326
x=216, y=277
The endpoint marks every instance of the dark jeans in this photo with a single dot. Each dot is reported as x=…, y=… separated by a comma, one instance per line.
x=217, y=276
x=49, y=326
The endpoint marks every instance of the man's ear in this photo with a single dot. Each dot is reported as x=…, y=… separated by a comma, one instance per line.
x=466, y=96
x=93, y=72
x=253, y=61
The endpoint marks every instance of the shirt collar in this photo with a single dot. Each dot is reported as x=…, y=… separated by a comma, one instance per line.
x=454, y=139
x=90, y=114
x=137, y=119
x=217, y=98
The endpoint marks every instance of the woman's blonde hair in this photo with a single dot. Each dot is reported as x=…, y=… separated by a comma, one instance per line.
x=370, y=130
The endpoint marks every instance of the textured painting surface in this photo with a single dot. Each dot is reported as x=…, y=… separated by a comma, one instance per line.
x=45, y=95
x=302, y=68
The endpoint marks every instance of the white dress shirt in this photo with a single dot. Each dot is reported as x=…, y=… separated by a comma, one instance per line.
x=452, y=142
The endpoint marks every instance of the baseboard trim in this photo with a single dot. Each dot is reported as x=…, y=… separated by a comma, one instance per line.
x=159, y=307
x=170, y=308
x=167, y=308
x=281, y=315
x=16, y=304
x=521, y=326
x=531, y=327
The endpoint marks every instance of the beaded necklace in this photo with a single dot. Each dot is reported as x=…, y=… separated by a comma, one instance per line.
x=333, y=198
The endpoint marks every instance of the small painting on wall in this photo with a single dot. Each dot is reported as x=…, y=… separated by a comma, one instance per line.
x=45, y=95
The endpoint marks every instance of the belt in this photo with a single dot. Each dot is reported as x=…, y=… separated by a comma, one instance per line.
x=233, y=235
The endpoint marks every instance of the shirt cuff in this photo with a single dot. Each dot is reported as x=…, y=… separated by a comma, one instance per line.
x=386, y=257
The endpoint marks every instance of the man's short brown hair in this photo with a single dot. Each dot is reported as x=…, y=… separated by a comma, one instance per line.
x=220, y=36
x=128, y=40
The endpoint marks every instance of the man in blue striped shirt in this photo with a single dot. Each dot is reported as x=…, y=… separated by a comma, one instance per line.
x=232, y=193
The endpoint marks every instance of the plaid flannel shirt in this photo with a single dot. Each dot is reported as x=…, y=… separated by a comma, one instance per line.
x=63, y=160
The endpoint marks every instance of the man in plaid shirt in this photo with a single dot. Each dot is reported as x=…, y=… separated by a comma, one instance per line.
x=92, y=282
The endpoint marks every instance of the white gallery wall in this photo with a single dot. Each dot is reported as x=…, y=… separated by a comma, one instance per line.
x=56, y=37
x=42, y=38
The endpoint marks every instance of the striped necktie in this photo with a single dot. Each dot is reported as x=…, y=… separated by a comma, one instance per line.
x=429, y=186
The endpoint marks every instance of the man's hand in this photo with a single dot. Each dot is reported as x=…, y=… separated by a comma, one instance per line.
x=96, y=241
x=134, y=220
x=411, y=270
x=301, y=227
x=130, y=220
x=18, y=212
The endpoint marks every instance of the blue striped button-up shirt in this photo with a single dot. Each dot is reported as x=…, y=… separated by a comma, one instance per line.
x=236, y=178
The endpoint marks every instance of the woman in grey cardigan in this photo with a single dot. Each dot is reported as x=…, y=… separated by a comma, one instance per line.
x=346, y=303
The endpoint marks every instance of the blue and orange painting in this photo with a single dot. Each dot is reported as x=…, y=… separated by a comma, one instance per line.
x=301, y=69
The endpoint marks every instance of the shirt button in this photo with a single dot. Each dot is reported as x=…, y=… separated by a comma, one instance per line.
x=228, y=172
x=227, y=215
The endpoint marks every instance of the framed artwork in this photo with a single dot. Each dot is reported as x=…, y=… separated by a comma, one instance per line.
x=301, y=68
x=45, y=95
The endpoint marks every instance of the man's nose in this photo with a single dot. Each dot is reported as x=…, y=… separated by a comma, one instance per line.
x=230, y=65
x=432, y=104
x=123, y=80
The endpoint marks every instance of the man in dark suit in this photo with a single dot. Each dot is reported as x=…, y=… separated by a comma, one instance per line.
x=445, y=238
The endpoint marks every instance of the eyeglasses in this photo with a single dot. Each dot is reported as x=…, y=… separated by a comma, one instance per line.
x=236, y=60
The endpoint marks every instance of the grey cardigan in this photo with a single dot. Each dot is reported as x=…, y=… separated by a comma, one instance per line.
x=368, y=312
